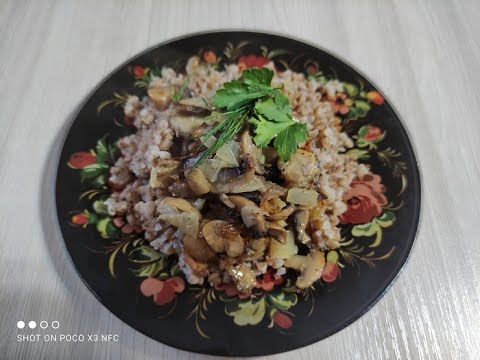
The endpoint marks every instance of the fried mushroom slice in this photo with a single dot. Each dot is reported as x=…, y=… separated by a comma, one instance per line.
x=277, y=232
x=185, y=126
x=223, y=237
x=301, y=222
x=252, y=216
x=277, y=209
x=255, y=248
x=243, y=278
x=197, y=181
x=198, y=248
x=272, y=191
x=310, y=267
x=180, y=188
x=225, y=200
x=299, y=171
x=180, y=214
x=196, y=106
x=160, y=96
x=283, y=214
x=237, y=184
x=160, y=175
x=179, y=204
x=247, y=147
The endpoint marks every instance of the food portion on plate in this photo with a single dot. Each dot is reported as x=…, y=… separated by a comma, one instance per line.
x=236, y=172
x=227, y=183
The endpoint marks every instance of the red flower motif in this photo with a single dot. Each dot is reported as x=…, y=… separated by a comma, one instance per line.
x=364, y=200
x=163, y=291
x=373, y=133
x=248, y=61
x=209, y=57
x=81, y=159
x=80, y=219
x=268, y=282
x=177, y=283
x=231, y=290
x=339, y=103
x=375, y=97
x=282, y=320
x=127, y=228
x=312, y=69
x=138, y=71
x=330, y=272
x=118, y=221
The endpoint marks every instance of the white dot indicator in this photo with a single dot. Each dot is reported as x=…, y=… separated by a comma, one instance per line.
x=20, y=324
x=55, y=324
x=43, y=324
x=32, y=324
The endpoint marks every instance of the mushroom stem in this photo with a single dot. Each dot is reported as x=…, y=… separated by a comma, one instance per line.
x=252, y=215
x=310, y=267
x=197, y=181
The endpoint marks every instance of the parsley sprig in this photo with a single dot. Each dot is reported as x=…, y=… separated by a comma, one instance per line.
x=252, y=99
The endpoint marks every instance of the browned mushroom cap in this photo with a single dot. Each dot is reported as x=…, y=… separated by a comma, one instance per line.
x=234, y=247
x=309, y=266
x=301, y=222
x=181, y=189
x=255, y=248
x=252, y=215
x=237, y=184
x=248, y=148
x=197, y=181
x=193, y=106
x=243, y=278
x=161, y=96
x=223, y=237
x=277, y=232
x=198, y=248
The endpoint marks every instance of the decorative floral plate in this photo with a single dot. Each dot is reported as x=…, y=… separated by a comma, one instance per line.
x=146, y=289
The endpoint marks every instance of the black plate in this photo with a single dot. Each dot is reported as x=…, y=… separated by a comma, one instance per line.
x=372, y=259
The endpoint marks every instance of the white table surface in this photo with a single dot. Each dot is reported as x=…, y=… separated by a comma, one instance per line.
x=425, y=56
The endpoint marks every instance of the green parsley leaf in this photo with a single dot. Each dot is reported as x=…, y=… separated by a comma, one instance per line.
x=233, y=97
x=254, y=84
x=277, y=110
x=267, y=130
x=283, y=103
x=287, y=140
